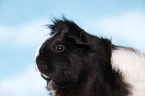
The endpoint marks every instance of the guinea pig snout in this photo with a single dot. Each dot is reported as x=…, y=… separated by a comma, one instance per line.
x=44, y=68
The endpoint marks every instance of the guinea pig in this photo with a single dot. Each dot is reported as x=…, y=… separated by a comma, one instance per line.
x=76, y=63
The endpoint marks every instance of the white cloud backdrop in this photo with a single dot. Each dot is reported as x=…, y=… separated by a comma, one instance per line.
x=126, y=28
x=28, y=81
x=25, y=83
x=27, y=34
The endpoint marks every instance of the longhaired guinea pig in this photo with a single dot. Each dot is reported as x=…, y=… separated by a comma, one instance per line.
x=75, y=63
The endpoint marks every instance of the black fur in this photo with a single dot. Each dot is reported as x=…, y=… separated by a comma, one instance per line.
x=84, y=67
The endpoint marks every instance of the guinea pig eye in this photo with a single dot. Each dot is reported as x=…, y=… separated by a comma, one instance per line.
x=60, y=48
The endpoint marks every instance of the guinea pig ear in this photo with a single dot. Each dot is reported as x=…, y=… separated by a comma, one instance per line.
x=79, y=37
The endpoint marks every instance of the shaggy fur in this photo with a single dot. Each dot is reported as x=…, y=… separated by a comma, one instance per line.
x=75, y=63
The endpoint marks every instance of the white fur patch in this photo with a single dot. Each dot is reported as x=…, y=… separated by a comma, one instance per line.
x=132, y=65
x=49, y=86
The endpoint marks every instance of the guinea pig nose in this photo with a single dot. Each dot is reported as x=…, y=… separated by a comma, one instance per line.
x=44, y=67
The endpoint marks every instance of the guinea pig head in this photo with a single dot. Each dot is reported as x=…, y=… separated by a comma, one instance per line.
x=62, y=57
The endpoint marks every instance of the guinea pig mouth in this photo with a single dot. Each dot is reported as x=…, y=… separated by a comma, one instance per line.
x=46, y=77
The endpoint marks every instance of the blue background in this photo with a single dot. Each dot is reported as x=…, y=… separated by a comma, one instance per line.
x=22, y=31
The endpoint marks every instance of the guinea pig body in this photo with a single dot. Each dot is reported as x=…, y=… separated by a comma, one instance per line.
x=75, y=63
